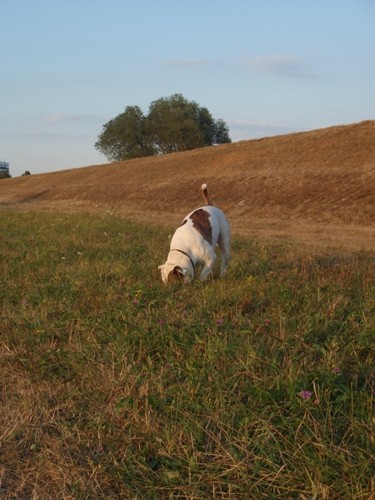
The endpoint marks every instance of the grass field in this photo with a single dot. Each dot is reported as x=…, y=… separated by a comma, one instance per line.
x=114, y=385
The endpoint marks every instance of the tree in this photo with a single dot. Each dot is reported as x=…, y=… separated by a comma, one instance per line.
x=221, y=134
x=125, y=136
x=172, y=124
x=206, y=126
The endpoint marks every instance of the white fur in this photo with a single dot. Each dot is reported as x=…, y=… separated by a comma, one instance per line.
x=189, y=247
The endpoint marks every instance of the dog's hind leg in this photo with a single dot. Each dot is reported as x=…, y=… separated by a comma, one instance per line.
x=224, y=245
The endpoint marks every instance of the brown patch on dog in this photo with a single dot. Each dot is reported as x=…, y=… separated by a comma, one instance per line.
x=201, y=222
x=175, y=275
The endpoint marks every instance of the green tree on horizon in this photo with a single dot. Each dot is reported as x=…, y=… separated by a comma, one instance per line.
x=172, y=124
x=125, y=136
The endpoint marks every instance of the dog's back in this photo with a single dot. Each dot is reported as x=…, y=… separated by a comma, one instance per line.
x=209, y=226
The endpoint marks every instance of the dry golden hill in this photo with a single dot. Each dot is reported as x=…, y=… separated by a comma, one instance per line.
x=317, y=188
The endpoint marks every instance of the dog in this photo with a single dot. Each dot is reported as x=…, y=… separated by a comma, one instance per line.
x=194, y=243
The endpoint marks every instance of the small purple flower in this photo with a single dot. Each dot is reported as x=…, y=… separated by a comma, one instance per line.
x=136, y=302
x=336, y=370
x=219, y=322
x=305, y=394
x=274, y=256
x=161, y=322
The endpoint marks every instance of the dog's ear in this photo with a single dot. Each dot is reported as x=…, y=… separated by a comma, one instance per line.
x=177, y=274
x=180, y=271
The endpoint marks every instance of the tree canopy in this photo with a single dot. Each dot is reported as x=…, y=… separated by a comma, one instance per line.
x=172, y=124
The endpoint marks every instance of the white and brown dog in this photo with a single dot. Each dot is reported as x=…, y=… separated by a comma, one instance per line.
x=194, y=243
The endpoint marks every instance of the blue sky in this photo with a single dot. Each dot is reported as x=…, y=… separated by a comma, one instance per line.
x=266, y=67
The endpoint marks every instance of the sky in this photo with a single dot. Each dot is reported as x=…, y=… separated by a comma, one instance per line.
x=266, y=67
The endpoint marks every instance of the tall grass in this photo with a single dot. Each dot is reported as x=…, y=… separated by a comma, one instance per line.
x=114, y=385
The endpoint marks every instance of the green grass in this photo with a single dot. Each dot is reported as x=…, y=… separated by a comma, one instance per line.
x=114, y=385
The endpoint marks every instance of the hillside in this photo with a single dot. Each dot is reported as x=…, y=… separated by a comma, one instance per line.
x=316, y=187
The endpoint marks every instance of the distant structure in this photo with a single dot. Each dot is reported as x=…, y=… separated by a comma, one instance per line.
x=4, y=168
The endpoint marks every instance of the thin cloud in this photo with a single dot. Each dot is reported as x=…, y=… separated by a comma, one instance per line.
x=68, y=118
x=190, y=62
x=285, y=65
x=43, y=135
x=29, y=135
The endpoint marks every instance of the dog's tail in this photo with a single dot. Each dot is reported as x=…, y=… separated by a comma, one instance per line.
x=205, y=194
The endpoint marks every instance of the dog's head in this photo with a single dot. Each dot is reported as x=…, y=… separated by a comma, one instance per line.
x=170, y=273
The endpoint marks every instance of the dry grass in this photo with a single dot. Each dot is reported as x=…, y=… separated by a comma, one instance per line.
x=114, y=385
x=317, y=188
